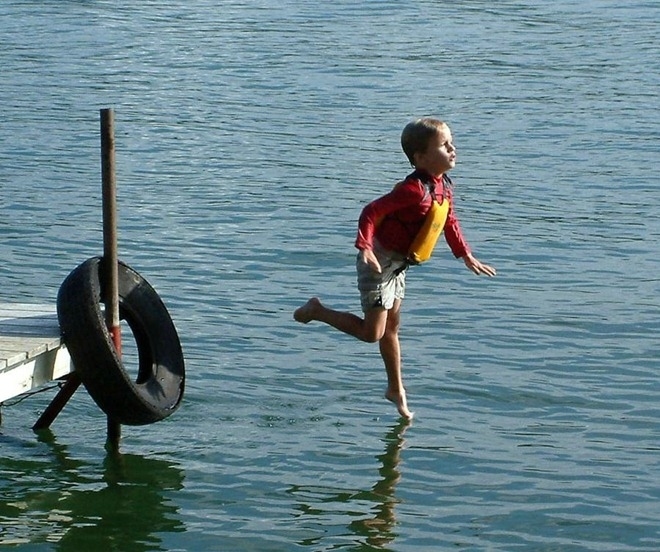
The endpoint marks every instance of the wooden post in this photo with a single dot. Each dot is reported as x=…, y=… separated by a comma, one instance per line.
x=111, y=276
x=57, y=404
x=110, y=255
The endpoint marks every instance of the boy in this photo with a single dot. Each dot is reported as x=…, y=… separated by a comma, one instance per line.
x=386, y=229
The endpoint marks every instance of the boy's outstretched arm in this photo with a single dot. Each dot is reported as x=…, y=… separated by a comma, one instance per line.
x=476, y=266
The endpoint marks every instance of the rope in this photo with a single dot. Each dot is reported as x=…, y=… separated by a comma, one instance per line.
x=28, y=394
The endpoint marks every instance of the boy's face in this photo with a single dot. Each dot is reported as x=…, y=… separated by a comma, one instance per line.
x=440, y=154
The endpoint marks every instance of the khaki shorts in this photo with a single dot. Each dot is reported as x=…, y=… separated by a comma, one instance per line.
x=381, y=290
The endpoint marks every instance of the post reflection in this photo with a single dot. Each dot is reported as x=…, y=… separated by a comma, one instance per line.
x=126, y=508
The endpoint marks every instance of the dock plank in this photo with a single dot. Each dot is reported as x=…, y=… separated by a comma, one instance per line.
x=31, y=349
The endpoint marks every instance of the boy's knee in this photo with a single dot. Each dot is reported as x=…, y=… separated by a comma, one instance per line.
x=392, y=327
x=373, y=327
x=373, y=335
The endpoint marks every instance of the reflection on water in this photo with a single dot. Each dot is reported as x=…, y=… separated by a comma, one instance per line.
x=321, y=507
x=379, y=529
x=122, y=506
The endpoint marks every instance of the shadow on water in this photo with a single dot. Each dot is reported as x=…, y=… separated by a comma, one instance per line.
x=72, y=506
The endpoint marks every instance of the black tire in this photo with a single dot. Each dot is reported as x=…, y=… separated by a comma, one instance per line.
x=158, y=389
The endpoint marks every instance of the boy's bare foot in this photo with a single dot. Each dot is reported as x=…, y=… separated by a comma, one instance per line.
x=399, y=399
x=306, y=313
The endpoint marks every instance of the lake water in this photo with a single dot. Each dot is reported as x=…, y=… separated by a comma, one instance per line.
x=249, y=136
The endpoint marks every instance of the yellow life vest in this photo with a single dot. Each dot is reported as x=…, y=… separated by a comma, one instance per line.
x=422, y=246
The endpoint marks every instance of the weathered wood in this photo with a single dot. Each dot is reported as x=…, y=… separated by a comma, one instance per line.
x=110, y=249
x=58, y=403
x=31, y=350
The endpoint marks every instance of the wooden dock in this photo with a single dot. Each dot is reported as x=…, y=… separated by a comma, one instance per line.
x=31, y=351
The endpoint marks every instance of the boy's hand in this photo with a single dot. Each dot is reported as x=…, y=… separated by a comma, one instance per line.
x=369, y=257
x=476, y=266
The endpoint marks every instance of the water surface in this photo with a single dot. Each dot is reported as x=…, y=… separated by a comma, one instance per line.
x=249, y=136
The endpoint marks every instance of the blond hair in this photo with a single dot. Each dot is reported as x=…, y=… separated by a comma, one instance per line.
x=417, y=134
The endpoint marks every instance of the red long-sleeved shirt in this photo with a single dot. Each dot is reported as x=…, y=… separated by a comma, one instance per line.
x=395, y=218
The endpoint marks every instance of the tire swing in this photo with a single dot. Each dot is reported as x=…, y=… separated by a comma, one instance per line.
x=158, y=389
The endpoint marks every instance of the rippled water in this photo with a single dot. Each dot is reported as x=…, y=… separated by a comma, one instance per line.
x=249, y=136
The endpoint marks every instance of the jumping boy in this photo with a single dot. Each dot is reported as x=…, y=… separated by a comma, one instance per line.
x=386, y=229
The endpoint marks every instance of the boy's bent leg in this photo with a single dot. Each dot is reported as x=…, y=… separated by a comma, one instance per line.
x=370, y=328
x=390, y=350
